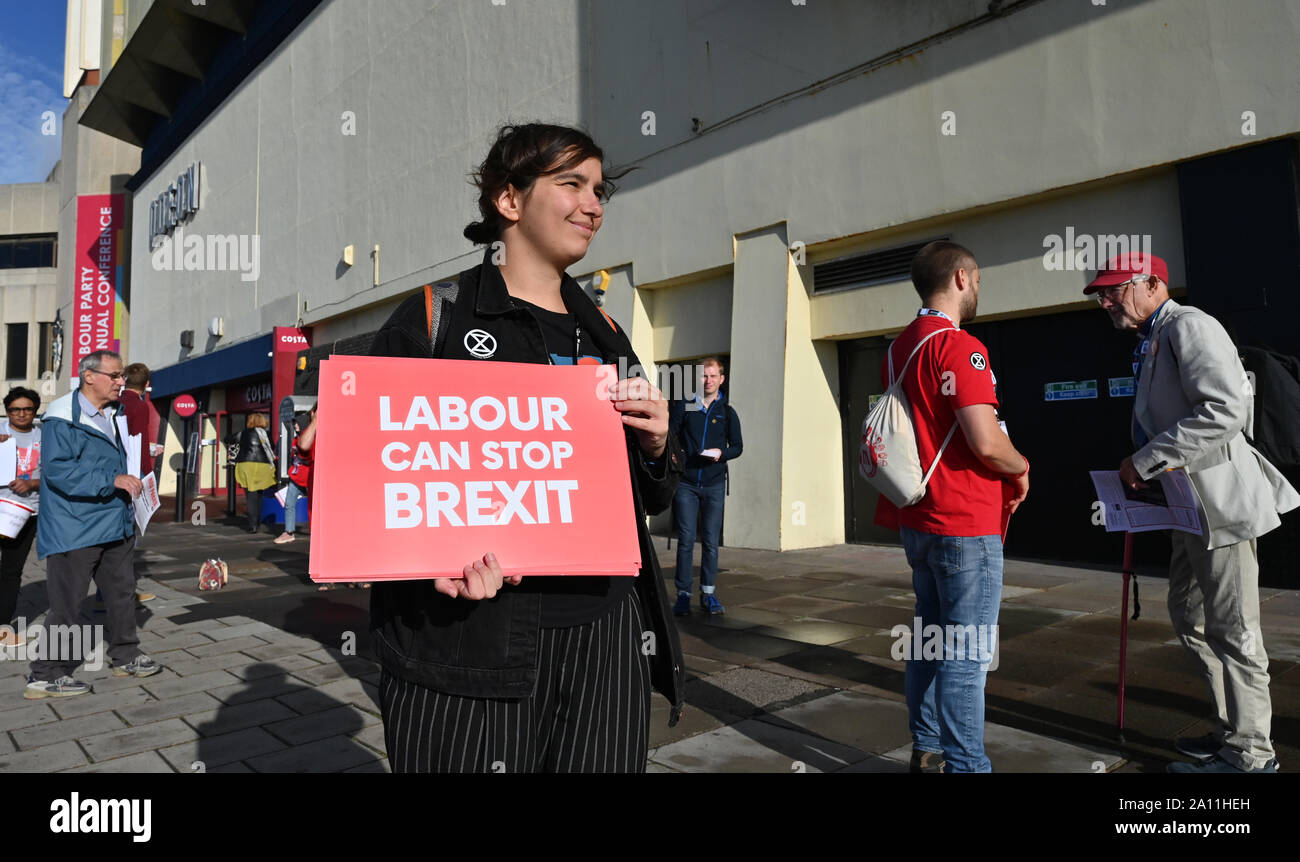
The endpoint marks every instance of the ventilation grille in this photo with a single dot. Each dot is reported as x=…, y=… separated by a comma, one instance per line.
x=878, y=267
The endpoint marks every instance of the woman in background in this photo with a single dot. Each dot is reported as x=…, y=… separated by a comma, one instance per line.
x=20, y=411
x=255, y=466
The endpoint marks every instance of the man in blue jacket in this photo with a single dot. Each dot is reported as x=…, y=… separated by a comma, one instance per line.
x=709, y=431
x=86, y=529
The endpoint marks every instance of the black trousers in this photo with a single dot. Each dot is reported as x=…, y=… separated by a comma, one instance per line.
x=13, y=556
x=253, y=503
x=67, y=577
x=590, y=712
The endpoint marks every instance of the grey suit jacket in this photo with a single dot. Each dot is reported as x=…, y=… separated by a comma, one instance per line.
x=1195, y=404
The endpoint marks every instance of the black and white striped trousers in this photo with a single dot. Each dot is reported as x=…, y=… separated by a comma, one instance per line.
x=590, y=712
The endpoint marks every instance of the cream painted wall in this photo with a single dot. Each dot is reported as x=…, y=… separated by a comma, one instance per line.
x=692, y=319
x=755, y=508
x=812, y=475
x=1009, y=245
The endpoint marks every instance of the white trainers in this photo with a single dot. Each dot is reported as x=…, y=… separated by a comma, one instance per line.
x=64, y=686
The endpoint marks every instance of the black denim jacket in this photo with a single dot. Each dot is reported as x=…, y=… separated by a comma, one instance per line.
x=490, y=648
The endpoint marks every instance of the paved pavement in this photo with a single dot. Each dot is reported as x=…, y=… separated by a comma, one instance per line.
x=271, y=674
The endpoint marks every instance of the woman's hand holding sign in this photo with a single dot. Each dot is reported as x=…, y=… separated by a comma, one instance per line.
x=644, y=411
x=483, y=579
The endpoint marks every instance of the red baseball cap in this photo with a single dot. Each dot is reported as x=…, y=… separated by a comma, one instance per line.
x=1121, y=268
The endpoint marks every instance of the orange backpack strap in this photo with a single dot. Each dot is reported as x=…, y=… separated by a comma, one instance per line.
x=438, y=297
x=608, y=319
x=428, y=309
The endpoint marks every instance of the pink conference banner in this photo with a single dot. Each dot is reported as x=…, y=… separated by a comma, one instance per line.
x=98, y=258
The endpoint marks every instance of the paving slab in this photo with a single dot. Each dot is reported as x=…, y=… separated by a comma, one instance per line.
x=860, y=592
x=343, y=691
x=1012, y=750
x=321, y=674
x=117, y=743
x=145, y=761
x=71, y=728
x=694, y=720
x=276, y=649
x=318, y=725
x=213, y=751
x=109, y=683
x=47, y=758
x=818, y=632
x=373, y=736
x=869, y=724
x=240, y=630
x=333, y=754
x=172, y=707
x=168, y=642
x=230, y=717
x=187, y=684
x=257, y=689
x=192, y=666
x=755, y=746
x=259, y=668
x=32, y=713
x=226, y=646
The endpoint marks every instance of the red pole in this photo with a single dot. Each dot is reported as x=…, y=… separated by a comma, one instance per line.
x=1123, y=629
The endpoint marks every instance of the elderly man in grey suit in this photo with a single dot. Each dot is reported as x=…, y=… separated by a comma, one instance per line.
x=1193, y=411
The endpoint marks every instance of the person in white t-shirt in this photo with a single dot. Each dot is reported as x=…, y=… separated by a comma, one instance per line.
x=20, y=424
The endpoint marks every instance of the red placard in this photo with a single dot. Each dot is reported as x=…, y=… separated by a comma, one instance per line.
x=97, y=262
x=185, y=406
x=425, y=465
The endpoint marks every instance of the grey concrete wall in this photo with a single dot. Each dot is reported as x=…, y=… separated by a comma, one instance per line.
x=29, y=208
x=27, y=295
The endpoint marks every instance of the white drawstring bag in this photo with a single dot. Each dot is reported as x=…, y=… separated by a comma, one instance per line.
x=888, y=459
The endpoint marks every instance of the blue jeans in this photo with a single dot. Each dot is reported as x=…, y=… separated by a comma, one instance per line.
x=958, y=583
x=687, y=505
x=291, y=507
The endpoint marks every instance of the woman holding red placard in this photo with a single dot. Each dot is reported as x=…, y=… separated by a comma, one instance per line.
x=539, y=674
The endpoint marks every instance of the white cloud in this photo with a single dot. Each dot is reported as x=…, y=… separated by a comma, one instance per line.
x=28, y=89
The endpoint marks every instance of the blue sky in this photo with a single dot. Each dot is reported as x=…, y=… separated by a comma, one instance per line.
x=31, y=82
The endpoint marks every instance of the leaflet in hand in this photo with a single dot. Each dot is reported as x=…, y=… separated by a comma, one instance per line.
x=147, y=503
x=1140, y=511
x=8, y=461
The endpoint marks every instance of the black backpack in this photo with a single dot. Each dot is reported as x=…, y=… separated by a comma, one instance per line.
x=1276, y=379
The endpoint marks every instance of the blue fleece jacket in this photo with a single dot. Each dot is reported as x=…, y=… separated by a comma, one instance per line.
x=80, y=506
x=714, y=427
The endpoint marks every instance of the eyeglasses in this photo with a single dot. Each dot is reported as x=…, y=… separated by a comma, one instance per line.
x=20, y=409
x=119, y=375
x=1116, y=291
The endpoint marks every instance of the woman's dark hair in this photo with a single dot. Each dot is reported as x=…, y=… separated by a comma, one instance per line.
x=20, y=392
x=519, y=156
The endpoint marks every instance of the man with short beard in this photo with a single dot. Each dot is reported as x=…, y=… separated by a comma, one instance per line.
x=953, y=535
x=1194, y=407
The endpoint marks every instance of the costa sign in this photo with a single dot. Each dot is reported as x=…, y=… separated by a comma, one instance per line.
x=185, y=406
x=251, y=396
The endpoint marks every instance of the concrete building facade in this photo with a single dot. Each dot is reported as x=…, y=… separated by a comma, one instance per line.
x=788, y=157
x=29, y=284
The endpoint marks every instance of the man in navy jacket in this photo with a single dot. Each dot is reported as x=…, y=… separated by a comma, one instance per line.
x=709, y=431
x=86, y=529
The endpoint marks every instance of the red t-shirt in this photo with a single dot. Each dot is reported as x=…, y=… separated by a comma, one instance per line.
x=964, y=498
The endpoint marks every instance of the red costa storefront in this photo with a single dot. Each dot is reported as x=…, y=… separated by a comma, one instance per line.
x=230, y=385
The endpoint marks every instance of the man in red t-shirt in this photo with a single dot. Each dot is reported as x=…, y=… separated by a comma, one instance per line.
x=953, y=535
